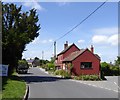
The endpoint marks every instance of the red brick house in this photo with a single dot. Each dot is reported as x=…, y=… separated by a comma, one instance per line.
x=84, y=61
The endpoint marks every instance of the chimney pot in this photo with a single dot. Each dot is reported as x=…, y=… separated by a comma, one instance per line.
x=66, y=45
x=92, y=49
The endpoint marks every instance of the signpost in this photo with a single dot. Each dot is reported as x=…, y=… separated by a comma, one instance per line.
x=3, y=70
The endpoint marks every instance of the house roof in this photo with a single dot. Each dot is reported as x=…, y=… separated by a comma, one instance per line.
x=67, y=49
x=30, y=61
x=97, y=56
x=75, y=54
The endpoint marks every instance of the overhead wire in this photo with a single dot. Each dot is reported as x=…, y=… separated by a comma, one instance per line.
x=77, y=25
x=82, y=21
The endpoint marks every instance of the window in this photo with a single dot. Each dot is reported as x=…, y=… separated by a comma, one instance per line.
x=86, y=65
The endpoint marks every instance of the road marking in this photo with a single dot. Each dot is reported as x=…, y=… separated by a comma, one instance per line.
x=117, y=85
x=87, y=83
x=94, y=85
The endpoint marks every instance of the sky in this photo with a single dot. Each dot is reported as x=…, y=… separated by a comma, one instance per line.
x=57, y=18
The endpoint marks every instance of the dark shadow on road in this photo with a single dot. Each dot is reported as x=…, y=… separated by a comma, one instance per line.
x=26, y=74
x=30, y=79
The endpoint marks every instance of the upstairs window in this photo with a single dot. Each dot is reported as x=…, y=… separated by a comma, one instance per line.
x=86, y=65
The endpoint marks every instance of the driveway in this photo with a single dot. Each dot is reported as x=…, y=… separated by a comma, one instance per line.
x=42, y=85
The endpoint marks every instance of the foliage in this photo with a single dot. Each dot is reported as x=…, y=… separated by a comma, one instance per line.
x=71, y=67
x=18, y=29
x=52, y=60
x=36, y=62
x=63, y=73
x=77, y=78
x=115, y=70
x=117, y=62
x=87, y=77
x=109, y=70
x=43, y=62
x=22, y=62
x=50, y=66
x=13, y=88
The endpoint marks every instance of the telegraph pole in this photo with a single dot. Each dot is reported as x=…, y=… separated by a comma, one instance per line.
x=54, y=49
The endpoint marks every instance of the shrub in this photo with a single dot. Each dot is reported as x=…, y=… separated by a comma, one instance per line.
x=77, y=78
x=109, y=70
x=63, y=73
x=60, y=72
x=67, y=75
x=87, y=77
x=51, y=66
x=94, y=77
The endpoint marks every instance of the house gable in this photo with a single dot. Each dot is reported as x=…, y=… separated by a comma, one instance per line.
x=86, y=57
x=68, y=48
x=76, y=54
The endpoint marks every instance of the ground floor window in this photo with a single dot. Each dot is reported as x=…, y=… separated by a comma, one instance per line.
x=86, y=65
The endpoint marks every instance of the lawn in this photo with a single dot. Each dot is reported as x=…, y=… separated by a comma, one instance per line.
x=13, y=88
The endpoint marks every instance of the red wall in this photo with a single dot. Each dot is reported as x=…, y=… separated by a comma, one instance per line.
x=59, y=61
x=72, y=49
x=87, y=56
x=62, y=56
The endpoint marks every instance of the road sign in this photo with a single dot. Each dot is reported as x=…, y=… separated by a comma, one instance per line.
x=3, y=70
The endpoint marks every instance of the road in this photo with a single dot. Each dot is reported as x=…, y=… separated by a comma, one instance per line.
x=42, y=85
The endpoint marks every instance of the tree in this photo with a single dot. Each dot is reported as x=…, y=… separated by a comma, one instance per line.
x=36, y=62
x=105, y=68
x=117, y=62
x=18, y=29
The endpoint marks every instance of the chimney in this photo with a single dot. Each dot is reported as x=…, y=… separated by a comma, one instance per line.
x=66, y=45
x=92, y=49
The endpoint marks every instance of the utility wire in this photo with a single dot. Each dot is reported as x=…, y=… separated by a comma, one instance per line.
x=47, y=50
x=49, y=47
x=82, y=21
x=77, y=24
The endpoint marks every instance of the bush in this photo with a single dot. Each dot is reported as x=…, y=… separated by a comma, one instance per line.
x=63, y=73
x=87, y=77
x=59, y=72
x=114, y=70
x=77, y=78
x=109, y=70
x=50, y=66
x=94, y=77
x=67, y=75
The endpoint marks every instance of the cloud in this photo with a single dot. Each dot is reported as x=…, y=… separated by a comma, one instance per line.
x=62, y=3
x=38, y=41
x=81, y=41
x=50, y=40
x=33, y=4
x=44, y=41
x=106, y=31
x=113, y=39
x=107, y=35
x=99, y=39
x=104, y=39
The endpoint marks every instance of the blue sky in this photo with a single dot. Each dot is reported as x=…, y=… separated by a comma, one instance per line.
x=56, y=18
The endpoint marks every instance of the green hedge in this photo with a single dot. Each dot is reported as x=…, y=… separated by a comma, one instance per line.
x=87, y=77
x=109, y=70
x=63, y=73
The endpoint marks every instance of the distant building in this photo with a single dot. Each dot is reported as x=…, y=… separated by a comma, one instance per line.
x=30, y=62
x=84, y=61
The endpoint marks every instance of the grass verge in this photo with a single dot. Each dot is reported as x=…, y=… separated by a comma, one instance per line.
x=13, y=88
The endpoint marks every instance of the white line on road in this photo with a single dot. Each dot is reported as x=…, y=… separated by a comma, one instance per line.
x=95, y=85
